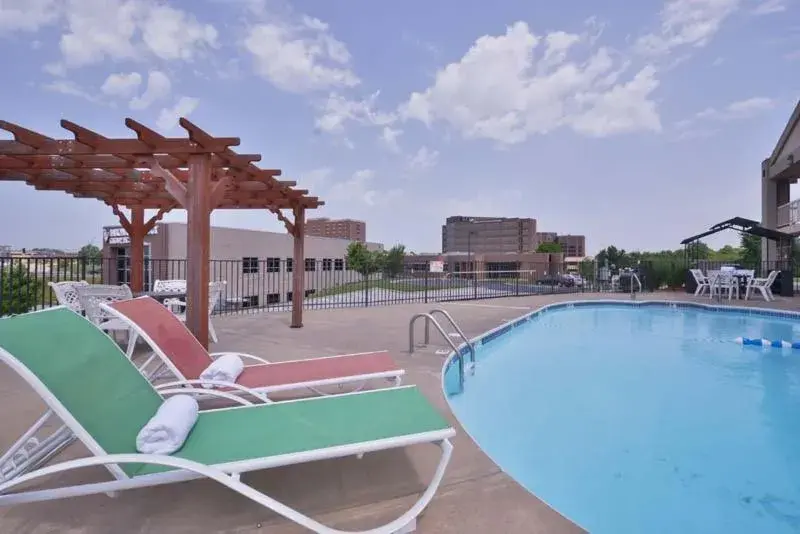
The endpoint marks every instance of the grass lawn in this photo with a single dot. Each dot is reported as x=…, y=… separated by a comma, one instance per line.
x=396, y=285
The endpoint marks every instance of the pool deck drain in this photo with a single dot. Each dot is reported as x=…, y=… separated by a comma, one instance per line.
x=475, y=497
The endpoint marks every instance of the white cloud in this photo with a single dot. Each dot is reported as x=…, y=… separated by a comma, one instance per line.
x=742, y=109
x=71, y=88
x=27, y=15
x=389, y=137
x=158, y=87
x=98, y=30
x=121, y=84
x=768, y=7
x=500, y=91
x=173, y=34
x=687, y=23
x=706, y=123
x=168, y=117
x=423, y=159
x=300, y=58
x=359, y=189
x=314, y=178
x=337, y=110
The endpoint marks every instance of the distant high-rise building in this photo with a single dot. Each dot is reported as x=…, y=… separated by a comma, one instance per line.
x=337, y=228
x=572, y=245
x=5, y=251
x=488, y=235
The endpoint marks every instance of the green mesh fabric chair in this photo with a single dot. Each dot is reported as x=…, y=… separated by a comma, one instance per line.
x=103, y=401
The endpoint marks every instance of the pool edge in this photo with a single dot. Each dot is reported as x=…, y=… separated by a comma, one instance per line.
x=498, y=331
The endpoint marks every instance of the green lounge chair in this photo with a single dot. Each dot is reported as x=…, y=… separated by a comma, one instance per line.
x=104, y=401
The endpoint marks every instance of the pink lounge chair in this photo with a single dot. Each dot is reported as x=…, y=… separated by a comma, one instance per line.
x=186, y=358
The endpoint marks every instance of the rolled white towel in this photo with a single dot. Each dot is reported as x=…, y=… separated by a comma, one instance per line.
x=226, y=368
x=167, y=430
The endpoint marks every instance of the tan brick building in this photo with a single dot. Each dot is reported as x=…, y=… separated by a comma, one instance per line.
x=350, y=229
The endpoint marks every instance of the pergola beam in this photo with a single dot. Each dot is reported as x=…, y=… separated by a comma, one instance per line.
x=199, y=173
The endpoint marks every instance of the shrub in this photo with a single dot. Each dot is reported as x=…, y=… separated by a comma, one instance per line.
x=19, y=291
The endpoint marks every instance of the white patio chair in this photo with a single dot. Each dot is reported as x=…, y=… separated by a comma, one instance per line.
x=724, y=281
x=175, y=305
x=703, y=283
x=215, y=291
x=764, y=285
x=90, y=297
x=66, y=295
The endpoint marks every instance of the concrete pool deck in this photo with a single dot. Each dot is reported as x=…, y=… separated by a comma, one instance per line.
x=475, y=496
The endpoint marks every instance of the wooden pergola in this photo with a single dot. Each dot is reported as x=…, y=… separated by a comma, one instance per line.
x=199, y=174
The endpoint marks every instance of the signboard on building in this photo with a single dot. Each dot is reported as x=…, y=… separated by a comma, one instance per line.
x=437, y=266
x=116, y=235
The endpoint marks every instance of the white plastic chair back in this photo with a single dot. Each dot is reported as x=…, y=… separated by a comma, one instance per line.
x=771, y=278
x=91, y=296
x=215, y=291
x=67, y=295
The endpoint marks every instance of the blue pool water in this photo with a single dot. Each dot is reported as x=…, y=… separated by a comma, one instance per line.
x=644, y=419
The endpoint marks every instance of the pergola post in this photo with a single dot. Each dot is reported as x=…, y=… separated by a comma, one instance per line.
x=136, y=234
x=198, y=207
x=299, y=271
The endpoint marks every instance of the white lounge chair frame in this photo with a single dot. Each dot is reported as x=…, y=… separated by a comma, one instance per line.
x=93, y=296
x=166, y=365
x=228, y=474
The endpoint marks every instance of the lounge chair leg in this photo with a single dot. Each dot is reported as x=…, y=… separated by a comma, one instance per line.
x=410, y=527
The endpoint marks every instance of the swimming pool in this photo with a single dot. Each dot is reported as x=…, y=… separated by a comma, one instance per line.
x=643, y=418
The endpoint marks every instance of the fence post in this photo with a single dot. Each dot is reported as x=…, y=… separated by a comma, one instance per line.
x=426, y=287
x=366, y=290
x=474, y=285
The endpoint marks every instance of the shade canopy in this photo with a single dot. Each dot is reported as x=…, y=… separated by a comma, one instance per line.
x=740, y=224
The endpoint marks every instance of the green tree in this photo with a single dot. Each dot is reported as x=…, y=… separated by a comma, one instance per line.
x=550, y=247
x=394, y=262
x=750, y=251
x=364, y=261
x=19, y=290
x=587, y=269
x=615, y=256
x=91, y=253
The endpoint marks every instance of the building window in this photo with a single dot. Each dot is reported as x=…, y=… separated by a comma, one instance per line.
x=289, y=296
x=338, y=264
x=249, y=265
x=273, y=265
x=310, y=292
x=311, y=264
x=327, y=264
x=250, y=301
x=289, y=265
x=273, y=298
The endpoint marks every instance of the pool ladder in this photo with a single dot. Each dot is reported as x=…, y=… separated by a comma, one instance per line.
x=634, y=276
x=430, y=319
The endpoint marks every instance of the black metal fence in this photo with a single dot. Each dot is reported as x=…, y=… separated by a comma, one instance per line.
x=266, y=284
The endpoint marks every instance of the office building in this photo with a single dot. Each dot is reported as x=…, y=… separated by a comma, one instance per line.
x=337, y=228
x=256, y=265
x=488, y=235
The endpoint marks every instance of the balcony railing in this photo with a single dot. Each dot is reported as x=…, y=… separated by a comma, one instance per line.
x=789, y=214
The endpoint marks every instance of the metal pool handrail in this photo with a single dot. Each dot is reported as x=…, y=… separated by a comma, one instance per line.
x=454, y=325
x=430, y=318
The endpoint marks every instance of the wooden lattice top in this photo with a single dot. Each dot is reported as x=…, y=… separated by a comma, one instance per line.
x=148, y=172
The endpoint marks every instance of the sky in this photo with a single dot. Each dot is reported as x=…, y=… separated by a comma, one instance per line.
x=634, y=123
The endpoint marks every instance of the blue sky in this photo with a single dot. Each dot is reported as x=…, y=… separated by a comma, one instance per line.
x=634, y=123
